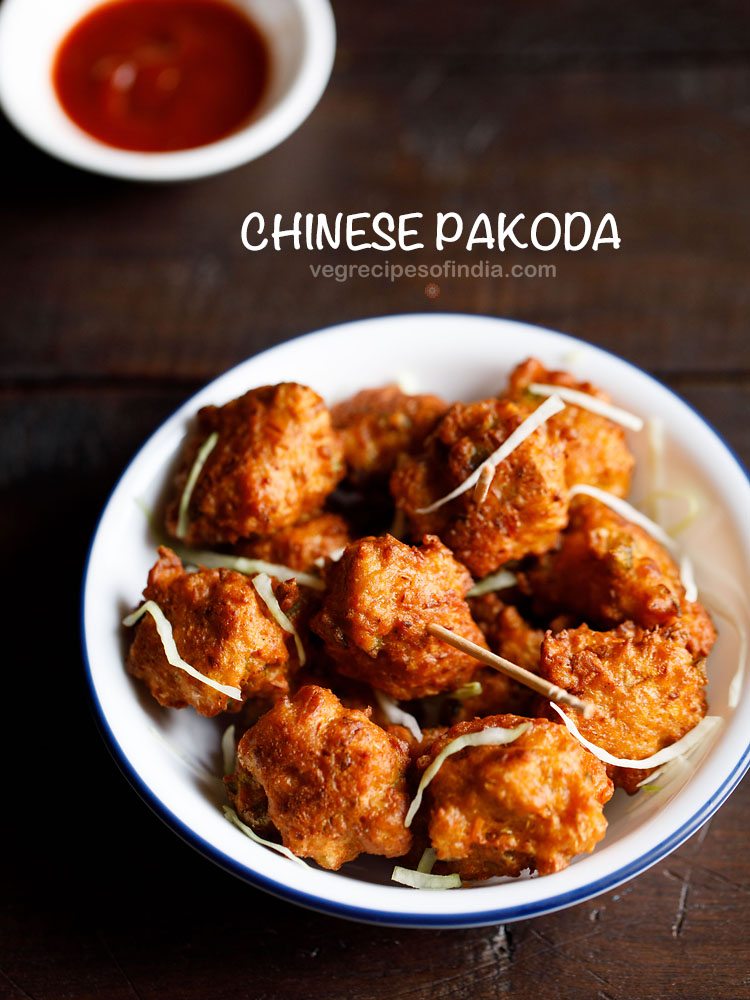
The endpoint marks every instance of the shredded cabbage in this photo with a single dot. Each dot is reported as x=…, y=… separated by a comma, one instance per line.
x=683, y=746
x=690, y=498
x=497, y=581
x=220, y=560
x=630, y=513
x=264, y=587
x=486, y=475
x=677, y=770
x=228, y=749
x=573, y=357
x=408, y=383
x=624, y=509
x=688, y=578
x=232, y=816
x=535, y=420
x=154, y=526
x=494, y=736
x=733, y=608
x=333, y=556
x=427, y=861
x=396, y=715
x=164, y=628
x=471, y=690
x=587, y=402
x=671, y=771
x=655, y=437
x=425, y=880
x=659, y=491
x=200, y=460
x=145, y=509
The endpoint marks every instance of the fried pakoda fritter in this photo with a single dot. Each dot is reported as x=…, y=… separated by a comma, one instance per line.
x=526, y=506
x=275, y=461
x=497, y=810
x=648, y=688
x=507, y=632
x=382, y=595
x=596, y=452
x=330, y=781
x=377, y=425
x=608, y=570
x=220, y=627
x=695, y=627
x=300, y=545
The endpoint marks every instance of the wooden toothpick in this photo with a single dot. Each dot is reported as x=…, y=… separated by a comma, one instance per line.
x=499, y=663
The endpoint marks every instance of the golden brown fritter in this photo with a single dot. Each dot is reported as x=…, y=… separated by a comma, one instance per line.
x=695, y=628
x=535, y=803
x=526, y=506
x=609, y=570
x=382, y=596
x=648, y=688
x=220, y=626
x=376, y=425
x=506, y=631
x=299, y=545
x=330, y=781
x=276, y=460
x=596, y=452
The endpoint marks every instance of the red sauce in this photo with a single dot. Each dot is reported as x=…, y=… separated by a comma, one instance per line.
x=160, y=75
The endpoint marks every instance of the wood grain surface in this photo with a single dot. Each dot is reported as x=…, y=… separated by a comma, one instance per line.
x=119, y=300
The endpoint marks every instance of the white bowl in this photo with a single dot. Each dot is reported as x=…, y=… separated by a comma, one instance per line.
x=171, y=757
x=301, y=36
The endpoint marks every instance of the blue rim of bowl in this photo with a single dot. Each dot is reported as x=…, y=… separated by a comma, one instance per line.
x=391, y=918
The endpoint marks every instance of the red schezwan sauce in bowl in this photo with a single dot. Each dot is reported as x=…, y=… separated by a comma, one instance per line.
x=162, y=90
x=161, y=75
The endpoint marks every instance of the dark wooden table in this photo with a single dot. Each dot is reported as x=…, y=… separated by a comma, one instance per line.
x=119, y=300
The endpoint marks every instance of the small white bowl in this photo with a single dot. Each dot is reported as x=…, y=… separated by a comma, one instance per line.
x=301, y=37
x=173, y=757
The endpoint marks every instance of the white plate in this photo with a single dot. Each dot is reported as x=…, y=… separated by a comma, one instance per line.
x=171, y=756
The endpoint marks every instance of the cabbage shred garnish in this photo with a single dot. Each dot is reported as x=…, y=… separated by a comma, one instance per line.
x=496, y=581
x=535, y=420
x=200, y=460
x=396, y=715
x=586, y=401
x=494, y=736
x=164, y=629
x=264, y=588
x=249, y=567
x=678, y=749
x=422, y=877
x=233, y=818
